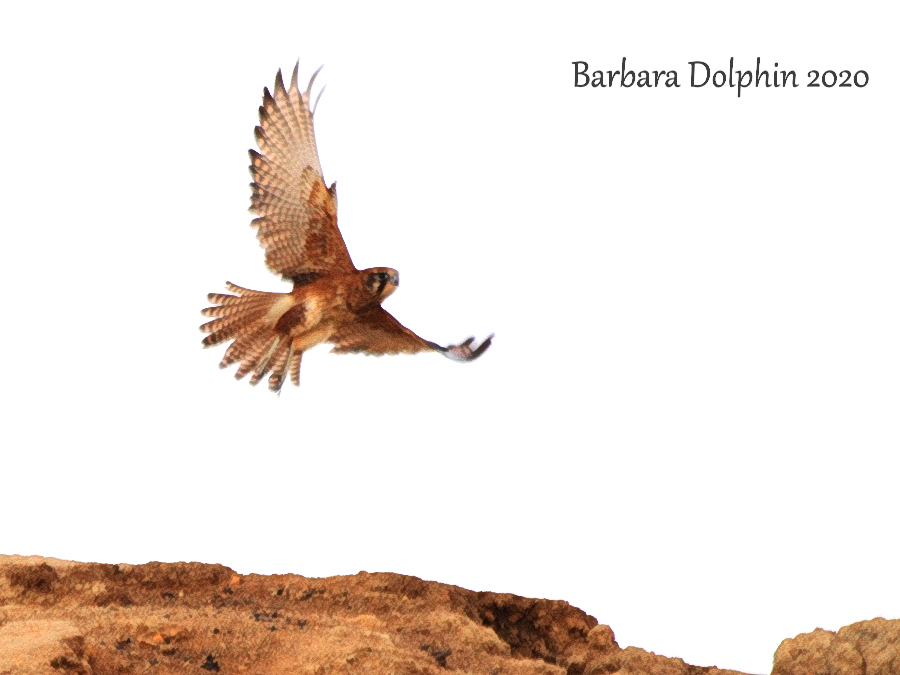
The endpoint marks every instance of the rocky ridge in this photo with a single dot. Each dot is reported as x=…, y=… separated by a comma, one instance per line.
x=66, y=618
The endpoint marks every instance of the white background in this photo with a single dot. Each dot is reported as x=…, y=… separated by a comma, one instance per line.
x=688, y=424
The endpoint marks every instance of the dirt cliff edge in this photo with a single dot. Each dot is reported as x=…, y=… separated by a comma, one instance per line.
x=69, y=618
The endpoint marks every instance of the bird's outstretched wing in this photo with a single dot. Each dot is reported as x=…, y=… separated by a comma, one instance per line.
x=297, y=214
x=376, y=332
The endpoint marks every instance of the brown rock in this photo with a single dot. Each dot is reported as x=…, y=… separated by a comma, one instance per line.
x=864, y=648
x=42, y=646
x=71, y=618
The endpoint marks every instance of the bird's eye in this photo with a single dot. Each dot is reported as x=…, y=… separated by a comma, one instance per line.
x=382, y=276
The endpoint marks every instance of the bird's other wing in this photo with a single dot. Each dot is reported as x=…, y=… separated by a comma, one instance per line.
x=297, y=214
x=376, y=332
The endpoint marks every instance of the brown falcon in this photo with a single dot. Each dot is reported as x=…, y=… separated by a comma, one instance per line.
x=296, y=224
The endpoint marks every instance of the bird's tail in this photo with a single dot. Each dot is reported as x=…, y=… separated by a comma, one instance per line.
x=249, y=318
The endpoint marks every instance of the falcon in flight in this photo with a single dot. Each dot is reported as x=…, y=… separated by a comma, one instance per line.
x=296, y=224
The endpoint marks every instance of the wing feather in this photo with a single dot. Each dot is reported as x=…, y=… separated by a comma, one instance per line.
x=377, y=332
x=297, y=213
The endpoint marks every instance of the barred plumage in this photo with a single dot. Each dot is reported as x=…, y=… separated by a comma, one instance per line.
x=240, y=290
x=294, y=365
x=226, y=328
x=279, y=364
x=265, y=362
x=238, y=350
x=296, y=225
x=255, y=355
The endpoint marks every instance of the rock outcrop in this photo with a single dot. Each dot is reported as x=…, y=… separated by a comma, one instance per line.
x=66, y=618
x=864, y=648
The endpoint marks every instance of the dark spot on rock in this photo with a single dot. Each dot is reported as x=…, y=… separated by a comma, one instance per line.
x=169, y=652
x=116, y=597
x=227, y=590
x=576, y=632
x=280, y=591
x=215, y=631
x=168, y=596
x=123, y=644
x=441, y=657
x=301, y=623
x=210, y=664
x=153, y=662
x=265, y=616
x=76, y=644
x=37, y=579
x=68, y=666
x=272, y=628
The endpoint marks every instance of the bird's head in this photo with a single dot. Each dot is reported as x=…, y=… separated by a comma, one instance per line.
x=381, y=281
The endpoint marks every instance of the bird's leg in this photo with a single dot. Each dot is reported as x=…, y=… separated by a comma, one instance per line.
x=464, y=352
